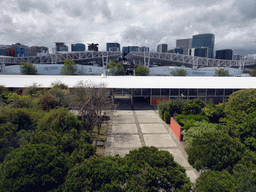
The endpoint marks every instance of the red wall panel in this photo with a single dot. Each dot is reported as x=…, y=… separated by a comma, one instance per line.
x=176, y=129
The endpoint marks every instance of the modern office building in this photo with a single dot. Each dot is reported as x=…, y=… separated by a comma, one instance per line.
x=162, y=48
x=143, y=49
x=3, y=51
x=113, y=47
x=199, y=52
x=176, y=50
x=129, y=49
x=204, y=40
x=60, y=46
x=225, y=54
x=78, y=47
x=236, y=57
x=20, y=52
x=184, y=44
x=93, y=47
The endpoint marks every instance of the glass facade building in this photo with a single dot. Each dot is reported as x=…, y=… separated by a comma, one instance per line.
x=204, y=40
x=113, y=47
x=226, y=54
x=78, y=47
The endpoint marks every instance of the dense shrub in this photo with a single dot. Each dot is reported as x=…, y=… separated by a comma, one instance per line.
x=34, y=167
x=60, y=120
x=196, y=129
x=214, y=112
x=173, y=106
x=215, y=151
x=186, y=121
x=167, y=116
x=194, y=107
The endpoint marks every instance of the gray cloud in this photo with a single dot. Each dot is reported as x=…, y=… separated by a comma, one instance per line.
x=30, y=5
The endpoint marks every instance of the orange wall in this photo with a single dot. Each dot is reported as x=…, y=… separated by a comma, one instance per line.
x=176, y=129
x=155, y=100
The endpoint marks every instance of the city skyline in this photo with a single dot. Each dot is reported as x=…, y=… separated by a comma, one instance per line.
x=130, y=23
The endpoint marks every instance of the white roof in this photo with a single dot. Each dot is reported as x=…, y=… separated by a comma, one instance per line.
x=132, y=81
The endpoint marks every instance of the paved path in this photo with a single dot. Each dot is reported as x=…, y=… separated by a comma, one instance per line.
x=139, y=125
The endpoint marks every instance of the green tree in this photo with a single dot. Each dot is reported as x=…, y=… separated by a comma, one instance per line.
x=141, y=70
x=215, y=151
x=214, y=112
x=33, y=167
x=214, y=181
x=253, y=72
x=69, y=68
x=240, y=111
x=198, y=128
x=193, y=106
x=221, y=72
x=28, y=69
x=179, y=72
x=115, y=69
x=145, y=169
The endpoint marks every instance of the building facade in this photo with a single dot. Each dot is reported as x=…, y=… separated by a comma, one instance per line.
x=129, y=49
x=162, y=48
x=93, y=47
x=204, y=40
x=113, y=47
x=143, y=49
x=60, y=46
x=184, y=44
x=199, y=52
x=226, y=54
x=78, y=47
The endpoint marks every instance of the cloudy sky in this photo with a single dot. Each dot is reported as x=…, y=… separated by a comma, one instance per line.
x=128, y=22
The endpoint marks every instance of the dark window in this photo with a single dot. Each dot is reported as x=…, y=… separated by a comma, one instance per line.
x=174, y=91
x=210, y=91
x=156, y=92
x=126, y=91
x=164, y=91
x=118, y=91
x=228, y=91
x=145, y=92
x=201, y=91
x=192, y=92
x=219, y=91
x=136, y=91
x=183, y=92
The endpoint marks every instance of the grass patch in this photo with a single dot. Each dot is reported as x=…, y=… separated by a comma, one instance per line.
x=103, y=133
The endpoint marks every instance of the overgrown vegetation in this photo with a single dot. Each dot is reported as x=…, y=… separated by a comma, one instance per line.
x=220, y=140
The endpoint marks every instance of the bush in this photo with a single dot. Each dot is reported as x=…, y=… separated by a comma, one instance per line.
x=37, y=167
x=167, y=117
x=186, y=121
x=60, y=120
x=173, y=106
x=198, y=128
x=193, y=107
x=215, y=151
x=214, y=112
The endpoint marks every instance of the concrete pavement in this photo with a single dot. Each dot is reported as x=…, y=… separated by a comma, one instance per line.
x=139, y=125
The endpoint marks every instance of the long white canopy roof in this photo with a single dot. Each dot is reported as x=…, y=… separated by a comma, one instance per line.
x=146, y=82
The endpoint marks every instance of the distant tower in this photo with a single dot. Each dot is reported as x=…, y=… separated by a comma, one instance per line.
x=184, y=44
x=162, y=48
x=204, y=40
x=113, y=47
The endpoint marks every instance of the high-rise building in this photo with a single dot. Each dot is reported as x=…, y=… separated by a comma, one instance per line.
x=204, y=40
x=143, y=49
x=184, y=44
x=129, y=49
x=225, y=54
x=162, y=48
x=113, y=47
x=176, y=50
x=78, y=47
x=60, y=46
x=93, y=47
x=199, y=52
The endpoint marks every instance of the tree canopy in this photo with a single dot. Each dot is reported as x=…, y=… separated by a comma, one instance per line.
x=69, y=68
x=141, y=70
x=253, y=72
x=145, y=169
x=221, y=72
x=179, y=72
x=28, y=69
x=115, y=69
x=215, y=151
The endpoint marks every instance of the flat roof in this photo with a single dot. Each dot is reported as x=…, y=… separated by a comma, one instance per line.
x=128, y=82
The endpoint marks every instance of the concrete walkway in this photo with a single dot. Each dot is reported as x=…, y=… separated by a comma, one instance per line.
x=139, y=125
